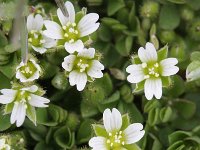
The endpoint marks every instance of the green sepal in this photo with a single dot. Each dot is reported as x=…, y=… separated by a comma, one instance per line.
x=78, y=16
x=64, y=137
x=166, y=81
x=136, y=60
x=31, y=113
x=99, y=130
x=125, y=121
x=8, y=108
x=139, y=87
x=163, y=53
x=132, y=147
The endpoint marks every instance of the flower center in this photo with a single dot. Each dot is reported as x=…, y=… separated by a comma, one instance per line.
x=28, y=69
x=82, y=65
x=115, y=140
x=22, y=97
x=71, y=33
x=151, y=70
x=35, y=38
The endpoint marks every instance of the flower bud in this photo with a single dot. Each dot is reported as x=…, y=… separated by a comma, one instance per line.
x=73, y=121
x=194, y=29
x=167, y=36
x=60, y=82
x=149, y=9
x=187, y=14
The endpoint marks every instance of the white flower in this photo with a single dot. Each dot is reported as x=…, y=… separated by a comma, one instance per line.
x=36, y=39
x=82, y=66
x=70, y=31
x=28, y=72
x=151, y=70
x=116, y=138
x=21, y=103
x=3, y=145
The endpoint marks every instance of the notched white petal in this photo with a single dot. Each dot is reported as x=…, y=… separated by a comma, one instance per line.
x=74, y=47
x=68, y=62
x=133, y=133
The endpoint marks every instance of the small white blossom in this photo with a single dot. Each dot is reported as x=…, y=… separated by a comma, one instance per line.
x=4, y=145
x=28, y=72
x=82, y=66
x=69, y=31
x=39, y=42
x=116, y=138
x=151, y=70
x=21, y=103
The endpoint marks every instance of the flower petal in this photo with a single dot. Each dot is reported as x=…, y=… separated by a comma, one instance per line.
x=149, y=54
x=76, y=46
x=168, y=66
x=79, y=79
x=49, y=42
x=88, y=25
x=6, y=99
x=112, y=120
x=95, y=69
x=31, y=89
x=20, y=114
x=40, y=50
x=14, y=114
x=153, y=87
x=63, y=19
x=87, y=53
x=53, y=31
x=68, y=62
x=98, y=143
x=136, y=73
x=71, y=11
x=133, y=133
x=38, y=101
x=34, y=23
x=8, y=92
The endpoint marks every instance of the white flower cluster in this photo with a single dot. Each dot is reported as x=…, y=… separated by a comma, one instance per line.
x=81, y=65
x=4, y=145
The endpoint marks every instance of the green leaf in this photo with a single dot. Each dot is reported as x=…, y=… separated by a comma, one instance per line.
x=104, y=33
x=163, y=53
x=178, y=136
x=132, y=110
x=151, y=105
x=195, y=56
x=166, y=114
x=64, y=137
x=9, y=70
x=109, y=21
x=42, y=145
x=85, y=131
x=5, y=122
x=178, y=1
x=114, y=6
x=88, y=109
x=99, y=130
x=169, y=17
x=177, y=87
x=153, y=117
x=186, y=108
